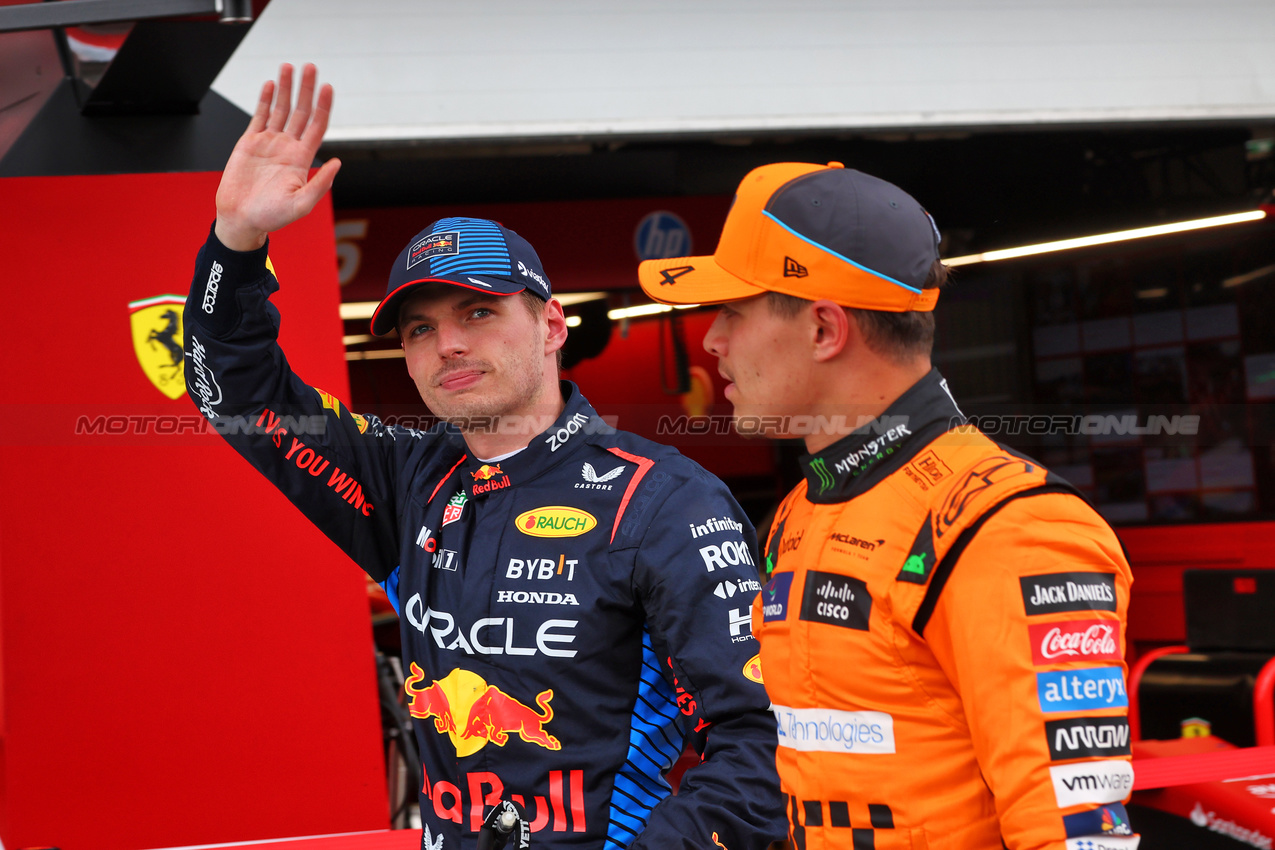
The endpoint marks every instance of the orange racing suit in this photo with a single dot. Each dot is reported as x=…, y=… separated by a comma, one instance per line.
x=942, y=638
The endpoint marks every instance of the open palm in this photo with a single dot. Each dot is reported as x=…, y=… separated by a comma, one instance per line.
x=266, y=183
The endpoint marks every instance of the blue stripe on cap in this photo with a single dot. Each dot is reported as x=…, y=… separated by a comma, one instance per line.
x=482, y=249
x=828, y=250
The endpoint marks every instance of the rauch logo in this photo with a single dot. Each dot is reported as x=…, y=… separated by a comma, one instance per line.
x=555, y=521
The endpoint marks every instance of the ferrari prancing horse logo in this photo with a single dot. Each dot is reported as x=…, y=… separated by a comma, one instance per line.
x=157, y=340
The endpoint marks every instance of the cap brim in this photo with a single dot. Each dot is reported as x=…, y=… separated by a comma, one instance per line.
x=692, y=280
x=385, y=317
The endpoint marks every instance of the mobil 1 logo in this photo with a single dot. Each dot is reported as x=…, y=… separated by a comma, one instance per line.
x=836, y=600
x=1054, y=592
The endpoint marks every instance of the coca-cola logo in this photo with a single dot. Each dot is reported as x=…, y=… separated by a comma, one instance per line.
x=1075, y=640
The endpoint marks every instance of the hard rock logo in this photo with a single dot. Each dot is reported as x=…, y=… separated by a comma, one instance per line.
x=157, y=341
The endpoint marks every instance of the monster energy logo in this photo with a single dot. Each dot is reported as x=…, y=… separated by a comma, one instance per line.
x=826, y=481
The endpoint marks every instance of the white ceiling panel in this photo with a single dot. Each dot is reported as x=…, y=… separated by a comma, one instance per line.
x=502, y=69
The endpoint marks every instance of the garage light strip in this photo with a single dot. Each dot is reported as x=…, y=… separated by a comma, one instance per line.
x=1106, y=238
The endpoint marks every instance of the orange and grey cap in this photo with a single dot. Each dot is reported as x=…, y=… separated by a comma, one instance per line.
x=815, y=232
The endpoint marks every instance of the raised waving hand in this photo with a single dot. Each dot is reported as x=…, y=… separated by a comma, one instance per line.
x=264, y=186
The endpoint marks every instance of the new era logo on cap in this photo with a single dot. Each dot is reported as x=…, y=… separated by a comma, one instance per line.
x=792, y=268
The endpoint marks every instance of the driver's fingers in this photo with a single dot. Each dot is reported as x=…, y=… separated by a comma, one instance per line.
x=313, y=135
x=259, y=115
x=282, y=100
x=305, y=97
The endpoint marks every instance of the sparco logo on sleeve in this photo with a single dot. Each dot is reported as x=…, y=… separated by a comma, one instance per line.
x=836, y=600
x=1086, y=737
x=1049, y=594
x=1091, y=782
x=210, y=288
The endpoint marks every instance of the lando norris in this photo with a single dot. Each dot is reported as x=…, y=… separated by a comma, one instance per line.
x=574, y=601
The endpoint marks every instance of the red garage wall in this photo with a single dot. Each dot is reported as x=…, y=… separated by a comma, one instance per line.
x=183, y=659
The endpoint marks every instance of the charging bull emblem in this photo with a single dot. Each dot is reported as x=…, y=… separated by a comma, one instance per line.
x=157, y=342
x=487, y=471
x=473, y=713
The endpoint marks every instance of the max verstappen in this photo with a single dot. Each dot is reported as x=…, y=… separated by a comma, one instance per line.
x=569, y=596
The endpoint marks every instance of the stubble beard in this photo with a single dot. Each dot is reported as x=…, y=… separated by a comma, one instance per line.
x=521, y=379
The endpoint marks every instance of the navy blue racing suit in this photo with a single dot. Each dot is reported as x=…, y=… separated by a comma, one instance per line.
x=570, y=615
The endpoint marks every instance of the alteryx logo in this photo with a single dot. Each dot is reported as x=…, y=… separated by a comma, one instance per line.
x=1081, y=690
x=819, y=467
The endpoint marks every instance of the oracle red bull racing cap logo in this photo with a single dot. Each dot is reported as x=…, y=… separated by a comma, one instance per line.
x=473, y=713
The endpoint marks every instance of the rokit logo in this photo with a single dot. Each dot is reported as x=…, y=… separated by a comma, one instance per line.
x=1075, y=640
x=836, y=600
x=741, y=625
x=489, y=635
x=732, y=553
x=1087, y=737
x=210, y=288
x=727, y=589
x=1055, y=592
x=541, y=569
x=1091, y=782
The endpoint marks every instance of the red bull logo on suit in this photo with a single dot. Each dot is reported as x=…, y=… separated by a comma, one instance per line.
x=473, y=713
